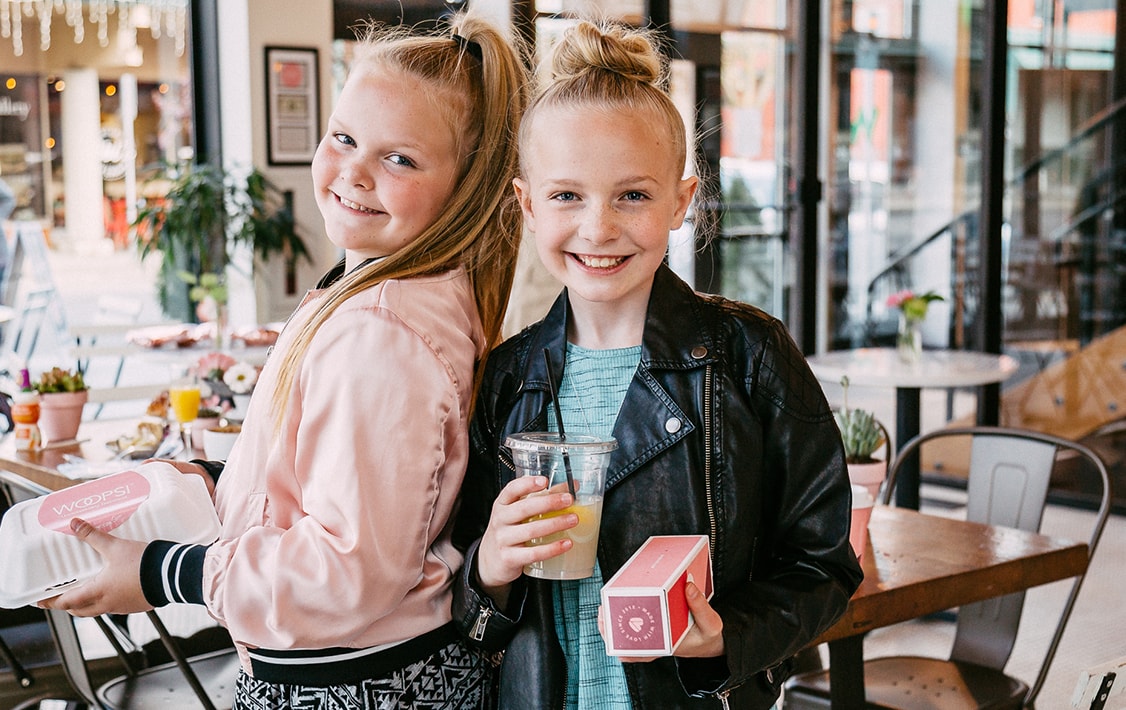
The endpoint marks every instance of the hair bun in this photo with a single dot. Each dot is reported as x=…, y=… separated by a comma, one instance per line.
x=587, y=47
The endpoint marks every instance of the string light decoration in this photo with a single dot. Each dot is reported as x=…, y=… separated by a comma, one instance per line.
x=160, y=17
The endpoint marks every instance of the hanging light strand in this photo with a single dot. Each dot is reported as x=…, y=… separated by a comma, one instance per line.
x=165, y=18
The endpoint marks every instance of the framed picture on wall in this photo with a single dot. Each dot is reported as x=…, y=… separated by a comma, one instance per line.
x=292, y=106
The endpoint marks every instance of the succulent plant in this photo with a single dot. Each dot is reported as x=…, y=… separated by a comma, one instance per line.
x=860, y=431
x=58, y=379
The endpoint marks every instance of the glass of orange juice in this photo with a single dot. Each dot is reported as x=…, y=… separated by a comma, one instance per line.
x=184, y=397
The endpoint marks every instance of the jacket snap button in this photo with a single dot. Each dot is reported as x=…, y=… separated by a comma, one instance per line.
x=699, y=351
x=672, y=426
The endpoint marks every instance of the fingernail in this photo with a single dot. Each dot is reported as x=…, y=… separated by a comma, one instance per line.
x=77, y=524
x=691, y=591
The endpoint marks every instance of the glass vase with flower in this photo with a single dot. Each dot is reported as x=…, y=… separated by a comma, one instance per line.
x=912, y=312
x=209, y=293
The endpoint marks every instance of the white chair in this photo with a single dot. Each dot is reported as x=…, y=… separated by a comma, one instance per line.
x=1008, y=481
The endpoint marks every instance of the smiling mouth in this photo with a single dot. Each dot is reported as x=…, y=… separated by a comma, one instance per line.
x=600, y=262
x=355, y=206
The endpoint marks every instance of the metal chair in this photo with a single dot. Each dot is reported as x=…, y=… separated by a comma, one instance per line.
x=206, y=680
x=1007, y=486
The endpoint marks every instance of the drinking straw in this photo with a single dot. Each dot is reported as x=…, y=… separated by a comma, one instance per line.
x=559, y=421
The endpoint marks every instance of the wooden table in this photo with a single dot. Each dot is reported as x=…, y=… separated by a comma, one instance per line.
x=38, y=471
x=917, y=564
x=881, y=367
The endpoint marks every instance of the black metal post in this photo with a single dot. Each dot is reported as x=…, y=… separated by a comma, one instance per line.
x=204, y=32
x=659, y=17
x=806, y=187
x=1118, y=131
x=990, y=323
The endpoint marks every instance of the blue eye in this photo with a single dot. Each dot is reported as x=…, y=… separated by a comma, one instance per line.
x=344, y=138
x=565, y=196
x=635, y=196
x=401, y=160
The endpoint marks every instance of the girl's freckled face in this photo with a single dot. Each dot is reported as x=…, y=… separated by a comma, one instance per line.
x=601, y=191
x=386, y=166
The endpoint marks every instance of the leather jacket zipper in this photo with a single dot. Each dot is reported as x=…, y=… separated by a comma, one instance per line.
x=708, y=459
x=708, y=488
x=478, y=631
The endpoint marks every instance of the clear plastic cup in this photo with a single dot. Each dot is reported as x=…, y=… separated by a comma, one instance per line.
x=587, y=456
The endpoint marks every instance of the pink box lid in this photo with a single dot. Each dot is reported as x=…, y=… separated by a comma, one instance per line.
x=667, y=556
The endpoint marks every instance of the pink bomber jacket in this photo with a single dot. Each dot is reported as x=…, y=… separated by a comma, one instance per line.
x=336, y=529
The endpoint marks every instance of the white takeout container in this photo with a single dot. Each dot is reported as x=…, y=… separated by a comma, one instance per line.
x=40, y=556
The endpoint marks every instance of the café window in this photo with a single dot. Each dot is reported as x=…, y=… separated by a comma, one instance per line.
x=112, y=76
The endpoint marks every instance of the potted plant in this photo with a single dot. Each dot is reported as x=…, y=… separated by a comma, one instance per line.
x=204, y=211
x=862, y=435
x=62, y=396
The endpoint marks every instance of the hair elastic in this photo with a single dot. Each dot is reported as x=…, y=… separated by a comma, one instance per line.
x=468, y=45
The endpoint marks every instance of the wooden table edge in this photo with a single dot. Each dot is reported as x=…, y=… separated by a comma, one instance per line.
x=858, y=618
x=875, y=608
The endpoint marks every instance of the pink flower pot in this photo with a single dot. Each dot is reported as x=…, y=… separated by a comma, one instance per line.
x=60, y=414
x=869, y=475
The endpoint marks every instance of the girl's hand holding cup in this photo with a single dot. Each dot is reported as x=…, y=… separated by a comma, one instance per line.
x=504, y=551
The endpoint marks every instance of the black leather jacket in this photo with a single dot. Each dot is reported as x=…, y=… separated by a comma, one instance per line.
x=724, y=431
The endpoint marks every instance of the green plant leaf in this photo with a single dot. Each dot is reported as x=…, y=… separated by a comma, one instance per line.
x=204, y=210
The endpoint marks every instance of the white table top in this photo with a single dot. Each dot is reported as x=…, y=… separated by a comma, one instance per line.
x=936, y=368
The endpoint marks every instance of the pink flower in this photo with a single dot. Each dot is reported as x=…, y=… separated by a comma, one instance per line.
x=896, y=300
x=212, y=365
x=914, y=307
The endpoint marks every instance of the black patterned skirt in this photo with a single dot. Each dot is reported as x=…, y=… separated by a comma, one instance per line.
x=452, y=678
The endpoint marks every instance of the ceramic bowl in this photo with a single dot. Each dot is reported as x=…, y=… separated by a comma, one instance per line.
x=217, y=443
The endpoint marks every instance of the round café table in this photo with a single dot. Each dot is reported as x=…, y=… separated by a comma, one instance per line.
x=941, y=369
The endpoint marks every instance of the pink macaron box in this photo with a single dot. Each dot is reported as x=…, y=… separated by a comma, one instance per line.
x=40, y=555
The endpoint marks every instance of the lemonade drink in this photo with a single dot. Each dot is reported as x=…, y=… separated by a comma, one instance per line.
x=578, y=562
x=586, y=457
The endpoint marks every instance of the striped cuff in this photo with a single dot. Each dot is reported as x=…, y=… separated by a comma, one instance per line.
x=172, y=573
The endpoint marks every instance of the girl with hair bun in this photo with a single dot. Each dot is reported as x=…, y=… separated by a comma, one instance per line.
x=334, y=566
x=722, y=429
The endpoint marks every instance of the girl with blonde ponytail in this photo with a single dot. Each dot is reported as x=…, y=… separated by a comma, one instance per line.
x=721, y=428
x=333, y=570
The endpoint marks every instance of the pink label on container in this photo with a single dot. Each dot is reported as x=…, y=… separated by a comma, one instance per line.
x=637, y=623
x=105, y=503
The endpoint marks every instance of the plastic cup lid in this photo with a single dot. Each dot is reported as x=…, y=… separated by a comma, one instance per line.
x=549, y=442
